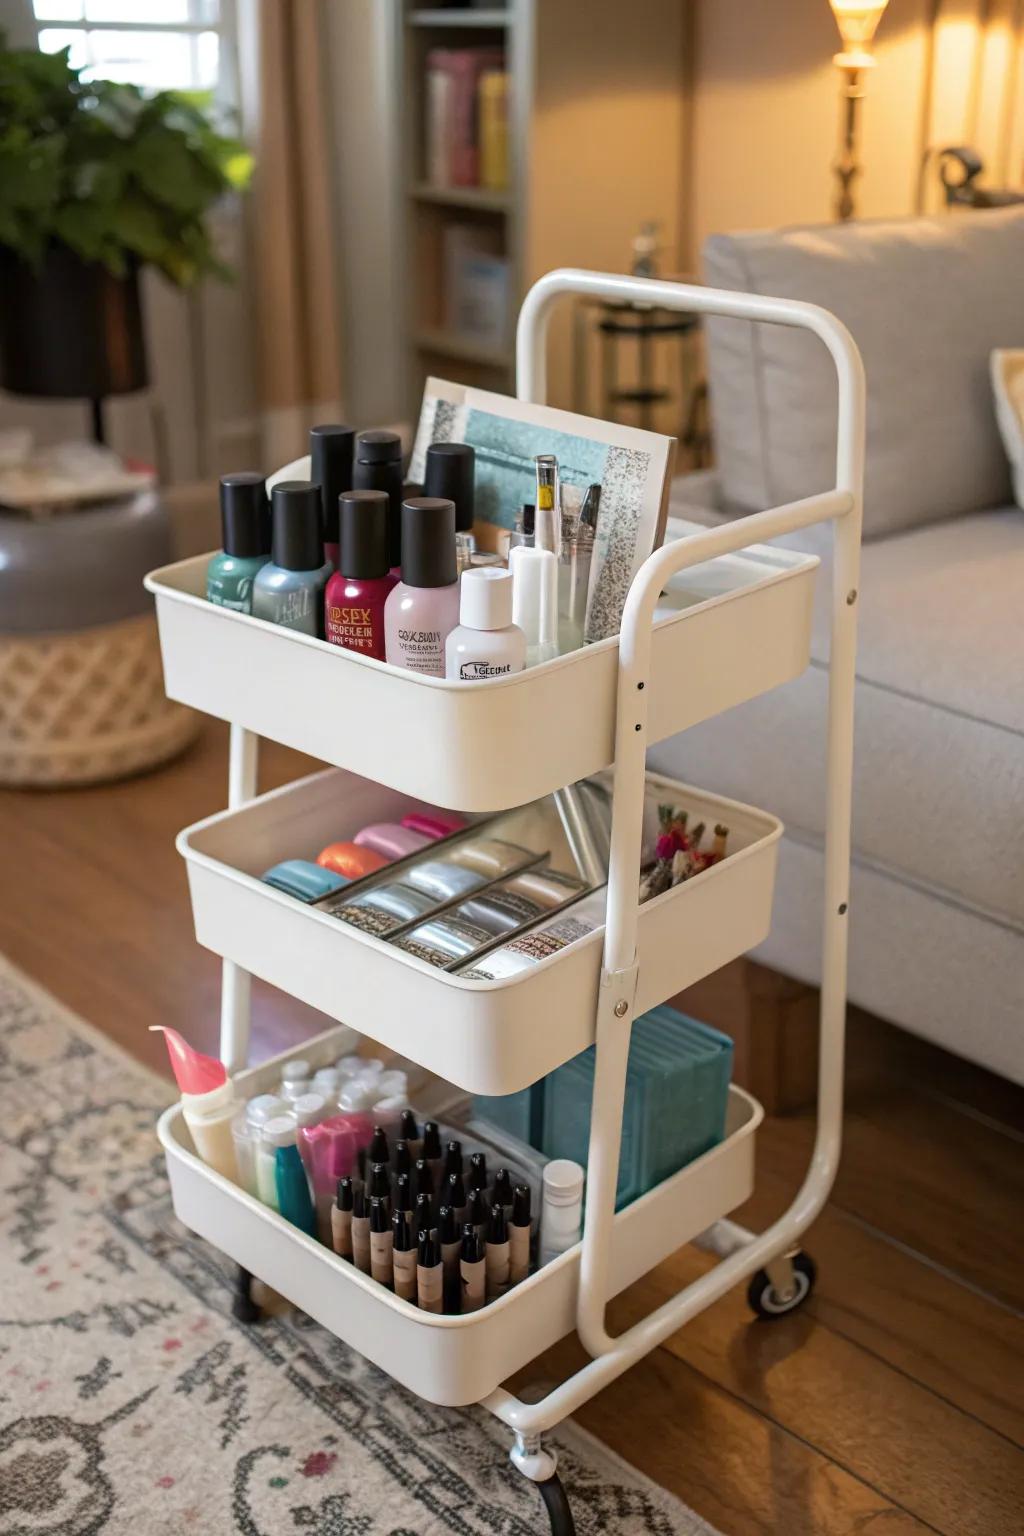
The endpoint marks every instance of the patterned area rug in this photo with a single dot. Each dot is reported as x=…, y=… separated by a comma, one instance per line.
x=131, y=1401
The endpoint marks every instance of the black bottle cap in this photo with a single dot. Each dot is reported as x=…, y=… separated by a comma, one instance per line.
x=363, y=534
x=343, y=1199
x=478, y=1171
x=453, y=1158
x=454, y=1191
x=401, y=1232
x=244, y=515
x=472, y=1248
x=446, y=1225
x=403, y=1160
x=521, y=1205
x=378, y=1149
x=403, y=1193
x=450, y=473
x=380, y=1221
x=297, y=544
x=407, y=1125
x=330, y=452
x=497, y=1227
x=503, y=1187
x=428, y=542
x=380, y=1182
x=431, y=1139
x=378, y=447
x=411, y=488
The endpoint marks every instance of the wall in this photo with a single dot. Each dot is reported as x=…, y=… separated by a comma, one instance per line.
x=766, y=108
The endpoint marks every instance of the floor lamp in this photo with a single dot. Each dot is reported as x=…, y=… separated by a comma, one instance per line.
x=857, y=24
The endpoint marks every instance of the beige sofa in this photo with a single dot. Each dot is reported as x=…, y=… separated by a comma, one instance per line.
x=937, y=898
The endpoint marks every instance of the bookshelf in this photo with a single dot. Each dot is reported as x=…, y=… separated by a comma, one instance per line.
x=596, y=136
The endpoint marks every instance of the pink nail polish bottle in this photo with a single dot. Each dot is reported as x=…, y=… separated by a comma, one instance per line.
x=358, y=591
x=423, y=609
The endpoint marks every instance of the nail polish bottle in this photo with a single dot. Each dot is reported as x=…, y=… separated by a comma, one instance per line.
x=245, y=533
x=357, y=592
x=290, y=589
x=423, y=608
x=450, y=473
x=378, y=467
x=330, y=452
x=486, y=643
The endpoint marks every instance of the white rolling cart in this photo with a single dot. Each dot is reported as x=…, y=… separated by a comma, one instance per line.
x=482, y=747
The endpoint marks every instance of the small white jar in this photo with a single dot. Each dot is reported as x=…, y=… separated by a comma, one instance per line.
x=486, y=644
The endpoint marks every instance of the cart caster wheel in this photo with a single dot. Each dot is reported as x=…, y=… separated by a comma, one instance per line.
x=765, y=1302
x=557, y=1504
x=243, y=1308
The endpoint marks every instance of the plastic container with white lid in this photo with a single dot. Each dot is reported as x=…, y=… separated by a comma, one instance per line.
x=562, y=1209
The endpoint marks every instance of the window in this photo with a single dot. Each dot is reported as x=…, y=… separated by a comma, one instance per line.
x=155, y=44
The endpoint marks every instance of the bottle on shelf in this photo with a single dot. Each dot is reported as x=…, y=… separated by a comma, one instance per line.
x=423, y=608
x=245, y=535
x=289, y=590
x=359, y=589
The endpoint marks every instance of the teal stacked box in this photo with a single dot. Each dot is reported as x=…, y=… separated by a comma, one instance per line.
x=677, y=1088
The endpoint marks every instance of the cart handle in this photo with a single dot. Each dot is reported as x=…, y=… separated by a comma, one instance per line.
x=843, y=507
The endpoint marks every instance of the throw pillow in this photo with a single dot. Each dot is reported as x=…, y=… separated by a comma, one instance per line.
x=1008, y=383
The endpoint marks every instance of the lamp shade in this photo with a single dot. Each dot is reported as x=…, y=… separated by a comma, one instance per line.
x=857, y=23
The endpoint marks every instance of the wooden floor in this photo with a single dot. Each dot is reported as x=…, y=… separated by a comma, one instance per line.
x=893, y=1403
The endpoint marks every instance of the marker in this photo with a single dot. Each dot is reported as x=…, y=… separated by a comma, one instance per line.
x=378, y=1150
x=360, y=1232
x=410, y=1133
x=429, y=1273
x=403, y=1157
x=403, y=1198
x=455, y=1195
x=519, y=1235
x=431, y=1151
x=423, y=1178
x=451, y=1249
x=381, y=1246
x=403, y=1258
x=380, y=1184
x=423, y=1214
x=478, y=1211
x=496, y=1254
x=472, y=1268
x=503, y=1191
x=341, y=1219
x=477, y=1172
x=452, y=1159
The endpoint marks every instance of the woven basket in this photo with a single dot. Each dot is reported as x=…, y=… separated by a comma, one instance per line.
x=86, y=706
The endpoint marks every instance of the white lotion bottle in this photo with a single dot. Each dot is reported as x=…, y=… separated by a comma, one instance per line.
x=562, y=1208
x=535, y=601
x=486, y=644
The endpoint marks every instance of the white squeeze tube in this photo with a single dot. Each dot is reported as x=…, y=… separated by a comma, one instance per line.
x=535, y=601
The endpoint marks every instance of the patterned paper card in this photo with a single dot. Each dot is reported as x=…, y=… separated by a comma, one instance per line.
x=632, y=467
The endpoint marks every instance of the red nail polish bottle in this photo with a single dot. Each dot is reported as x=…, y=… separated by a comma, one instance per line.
x=356, y=593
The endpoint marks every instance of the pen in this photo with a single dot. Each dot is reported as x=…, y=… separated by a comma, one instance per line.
x=472, y=1271
x=381, y=1245
x=403, y=1257
x=431, y=1151
x=519, y=1235
x=341, y=1219
x=429, y=1273
x=496, y=1254
x=451, y=1250
x=360, y=1232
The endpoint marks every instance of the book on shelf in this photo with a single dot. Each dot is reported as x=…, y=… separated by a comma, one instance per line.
x=453, y=108
x=476, y=285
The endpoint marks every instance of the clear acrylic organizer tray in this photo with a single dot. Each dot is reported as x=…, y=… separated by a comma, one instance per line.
x=447, y=1359
x=488, y=1037
x=725, y=631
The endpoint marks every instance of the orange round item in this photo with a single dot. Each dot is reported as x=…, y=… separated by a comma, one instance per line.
x=351, y=860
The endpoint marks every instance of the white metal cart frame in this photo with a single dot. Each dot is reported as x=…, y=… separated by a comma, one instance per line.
x=742, y=1252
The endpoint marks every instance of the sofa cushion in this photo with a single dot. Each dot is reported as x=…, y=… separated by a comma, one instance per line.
x=939, y=755
x=926, y=300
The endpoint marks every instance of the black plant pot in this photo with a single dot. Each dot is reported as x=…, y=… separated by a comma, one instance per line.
x=69, y=328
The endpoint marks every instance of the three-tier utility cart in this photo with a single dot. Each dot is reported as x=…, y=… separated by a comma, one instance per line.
x=741, y=624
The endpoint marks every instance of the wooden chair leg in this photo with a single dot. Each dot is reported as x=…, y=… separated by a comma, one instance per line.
x=773, y=1023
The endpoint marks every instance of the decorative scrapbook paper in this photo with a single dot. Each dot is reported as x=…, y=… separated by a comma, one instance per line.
x=632, y=467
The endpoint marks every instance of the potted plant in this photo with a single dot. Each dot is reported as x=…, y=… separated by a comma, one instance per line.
x=96, y=180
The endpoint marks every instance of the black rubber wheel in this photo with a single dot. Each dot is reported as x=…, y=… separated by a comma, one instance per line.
x=766, y=1304
x=243, y=1308
x=557, y=1504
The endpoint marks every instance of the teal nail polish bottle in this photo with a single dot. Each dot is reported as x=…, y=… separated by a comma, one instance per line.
x=245, y=530
x=293, y=1197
